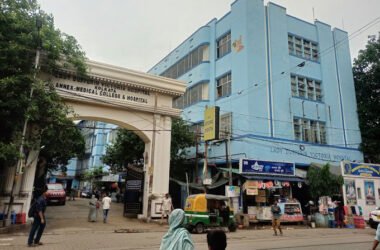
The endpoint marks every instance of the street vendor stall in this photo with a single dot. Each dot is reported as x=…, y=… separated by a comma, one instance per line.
x=266, y=182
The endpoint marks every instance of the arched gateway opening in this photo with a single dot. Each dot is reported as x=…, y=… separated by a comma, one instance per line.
x=132, y=100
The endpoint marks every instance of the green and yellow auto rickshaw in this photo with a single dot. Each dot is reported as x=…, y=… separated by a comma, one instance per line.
x=206, y=210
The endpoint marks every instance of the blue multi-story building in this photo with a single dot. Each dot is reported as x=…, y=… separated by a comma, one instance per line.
x=97, y=136
x=284, y=86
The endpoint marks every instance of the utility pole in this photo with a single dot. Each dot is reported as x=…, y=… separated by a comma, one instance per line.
x=205, y=170
x=228, y=157
x=196, y=154
x=20, y=163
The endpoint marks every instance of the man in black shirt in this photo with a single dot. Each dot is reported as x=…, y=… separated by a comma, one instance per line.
x=39, y=220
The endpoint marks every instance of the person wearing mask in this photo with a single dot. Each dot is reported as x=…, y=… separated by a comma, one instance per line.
x=177, y=237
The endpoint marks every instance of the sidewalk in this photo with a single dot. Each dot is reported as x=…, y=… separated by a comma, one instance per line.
x=72, y=218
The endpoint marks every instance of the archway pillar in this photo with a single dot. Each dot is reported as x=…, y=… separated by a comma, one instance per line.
x=158, y=167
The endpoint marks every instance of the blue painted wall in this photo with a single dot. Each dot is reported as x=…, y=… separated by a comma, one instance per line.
x=261, y=102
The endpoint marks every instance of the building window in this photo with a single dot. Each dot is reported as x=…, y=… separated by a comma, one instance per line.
x=223, y=86
x=291, y=44
x=306, y=49
x=223, y=45
x=191, y=60
x=318, y=91
x=309, y=131
x=192, y=95
x=303, y=48
x=306, y=88
x=297, y=129
x=225, y=126
x=113, y=136
x=301, y=87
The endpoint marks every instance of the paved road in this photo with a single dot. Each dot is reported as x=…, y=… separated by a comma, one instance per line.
x=68, y=228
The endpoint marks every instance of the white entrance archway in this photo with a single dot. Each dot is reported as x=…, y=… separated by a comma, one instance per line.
x=132, y=100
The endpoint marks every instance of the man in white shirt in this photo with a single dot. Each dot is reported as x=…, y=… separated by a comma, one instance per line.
x=166, y=207
x=106, y=202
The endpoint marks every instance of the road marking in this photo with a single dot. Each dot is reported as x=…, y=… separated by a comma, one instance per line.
x=5, y=244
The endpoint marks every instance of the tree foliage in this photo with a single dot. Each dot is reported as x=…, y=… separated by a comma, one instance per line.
x=322, y=182
x=367, y=84
x=128, y=148
x=182, y=138
x=45, y=112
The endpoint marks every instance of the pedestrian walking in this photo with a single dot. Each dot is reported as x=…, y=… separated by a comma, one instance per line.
x=216, y=240
x=73, y=193
x=106, y=202
x=166, y=207
x=276, y=218
x=39, y=221
x=177, y=237
x=94, y=207
x=339, y=215
x=377, y=238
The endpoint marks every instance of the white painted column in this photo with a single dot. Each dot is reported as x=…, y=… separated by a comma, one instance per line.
x=162, y=158
x=29, y=172
x=9, y=177
x=26, y=190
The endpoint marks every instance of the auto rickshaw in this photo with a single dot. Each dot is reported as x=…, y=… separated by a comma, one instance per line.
x=206, y=210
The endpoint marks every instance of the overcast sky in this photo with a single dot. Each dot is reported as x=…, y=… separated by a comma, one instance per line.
x=136, y=34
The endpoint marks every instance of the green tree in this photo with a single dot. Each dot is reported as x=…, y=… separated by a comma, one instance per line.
x=322, y=182
x=91, y=175
x=128, y=148
x=366, y=71
x=23, y=29
x=182, y=138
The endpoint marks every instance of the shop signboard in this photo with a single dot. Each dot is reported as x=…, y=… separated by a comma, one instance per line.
x=361, y=169
x=350, y=192
x=248, y=166
x=110, y=178
x=369, y=189
x=232, y=191
x=252, y=191
x=251, y=184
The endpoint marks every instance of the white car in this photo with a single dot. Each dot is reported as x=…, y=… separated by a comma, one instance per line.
x=374, y=218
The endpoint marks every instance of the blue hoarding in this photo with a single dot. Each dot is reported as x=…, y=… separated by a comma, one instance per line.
x=266, y=167
x=361, y=169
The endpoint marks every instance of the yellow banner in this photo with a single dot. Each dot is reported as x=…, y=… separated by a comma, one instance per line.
x=211, y=124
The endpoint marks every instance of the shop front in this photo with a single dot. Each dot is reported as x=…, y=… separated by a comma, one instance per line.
x=361, y=190
x=265, y=182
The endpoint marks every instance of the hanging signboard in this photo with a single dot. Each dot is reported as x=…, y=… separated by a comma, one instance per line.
x=361, y=169
x=251, y=184
x=252, y=191
x=211, y=123
x=247, y=166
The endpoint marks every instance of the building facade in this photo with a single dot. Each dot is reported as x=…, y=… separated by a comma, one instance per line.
x=284, y=86
x=97, y=136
